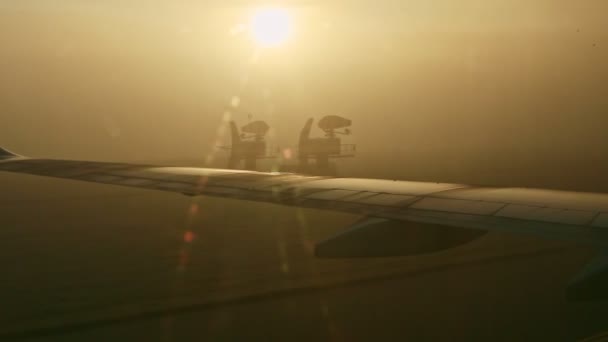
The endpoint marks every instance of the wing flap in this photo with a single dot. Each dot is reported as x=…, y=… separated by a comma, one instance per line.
x=584, y=234
x=377, y=237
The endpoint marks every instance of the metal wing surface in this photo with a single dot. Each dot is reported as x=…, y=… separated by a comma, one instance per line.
x=573, y=216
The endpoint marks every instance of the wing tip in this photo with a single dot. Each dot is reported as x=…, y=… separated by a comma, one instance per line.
x=6, y=154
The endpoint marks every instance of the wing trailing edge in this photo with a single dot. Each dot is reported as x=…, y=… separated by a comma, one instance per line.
x=592, y=282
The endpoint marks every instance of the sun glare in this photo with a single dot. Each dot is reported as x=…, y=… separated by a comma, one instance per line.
x=270, y=26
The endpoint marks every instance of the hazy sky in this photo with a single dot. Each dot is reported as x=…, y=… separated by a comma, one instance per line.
x=434, y=88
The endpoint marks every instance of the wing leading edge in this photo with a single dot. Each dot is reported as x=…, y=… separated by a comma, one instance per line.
x=572, y=216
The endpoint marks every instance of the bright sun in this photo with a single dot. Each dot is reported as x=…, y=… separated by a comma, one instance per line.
x=270, y=26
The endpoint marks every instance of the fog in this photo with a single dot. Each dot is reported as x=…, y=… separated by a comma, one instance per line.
x=483, y=92
x=489, y=92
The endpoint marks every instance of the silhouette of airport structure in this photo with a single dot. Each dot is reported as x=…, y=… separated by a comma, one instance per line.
x=321, y=149
x=313, y=153
x=249, y=145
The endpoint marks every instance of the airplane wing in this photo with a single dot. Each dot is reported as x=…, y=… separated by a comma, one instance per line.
x=432, y=216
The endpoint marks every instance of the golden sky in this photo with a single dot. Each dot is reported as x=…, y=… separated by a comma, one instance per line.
x=432, y=80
